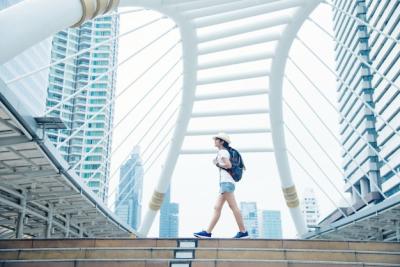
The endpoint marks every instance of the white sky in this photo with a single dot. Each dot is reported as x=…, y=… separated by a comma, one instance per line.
x=195, y=180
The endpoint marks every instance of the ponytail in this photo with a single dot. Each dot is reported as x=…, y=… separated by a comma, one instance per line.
x=226, y=145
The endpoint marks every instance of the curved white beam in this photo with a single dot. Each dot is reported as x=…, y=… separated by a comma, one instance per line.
x=29, y=22
x=229, y=131
x=213, y=151
x=236, y=60
x=226, y=7
x=50, y=16
x=243, y=13
x=241, y=93
x=208, y=48
x=189, y=56
x=276, y=116
x=250, y=27
x=183, y=6
x=234, y=77
x=238, y=112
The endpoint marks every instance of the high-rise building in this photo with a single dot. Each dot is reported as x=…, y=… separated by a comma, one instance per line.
x=309, y=208
x=130, y=189
x=31, y=90
x=385, y=57
x=169, y=217
x=357, y=77
x=250, y=218
x=92, y=106
x=271, y=224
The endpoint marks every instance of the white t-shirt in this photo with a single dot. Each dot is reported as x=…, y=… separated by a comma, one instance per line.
x=224, y=175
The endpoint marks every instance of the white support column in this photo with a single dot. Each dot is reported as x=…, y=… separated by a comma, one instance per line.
x=21, y=218
x=276, y=116
x=67, y=225
x=49, y=223
x=80, y=230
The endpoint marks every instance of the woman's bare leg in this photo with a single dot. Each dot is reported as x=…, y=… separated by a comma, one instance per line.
x=217, y=212
x=230, y=198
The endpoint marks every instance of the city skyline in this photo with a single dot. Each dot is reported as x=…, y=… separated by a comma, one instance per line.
x=250, y=218
x=129, y=202
x=271, y=224
x=169, y=218
x=309, y=208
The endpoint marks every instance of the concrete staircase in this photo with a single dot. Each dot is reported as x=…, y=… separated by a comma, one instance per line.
x=195, y=253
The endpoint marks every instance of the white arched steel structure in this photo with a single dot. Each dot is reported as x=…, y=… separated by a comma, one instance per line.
x=190, y=16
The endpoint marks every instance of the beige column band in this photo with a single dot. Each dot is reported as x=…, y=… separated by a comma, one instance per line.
x=133, y=236
x=101, y=6
x=156, y=200
x=112, y=5
x=93, y=8
x=290, y=195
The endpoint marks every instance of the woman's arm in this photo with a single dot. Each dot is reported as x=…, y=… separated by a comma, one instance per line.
x=227, y=163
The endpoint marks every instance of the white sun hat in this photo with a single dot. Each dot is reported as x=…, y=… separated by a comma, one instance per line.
x=223, y=136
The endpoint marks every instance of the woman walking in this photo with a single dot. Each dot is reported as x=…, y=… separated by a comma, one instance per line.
x=226, y=191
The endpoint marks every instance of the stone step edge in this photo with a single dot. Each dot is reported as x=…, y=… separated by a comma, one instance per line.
x=205, y=249
x=197, y=239
x=205, y=261
x=280, y=244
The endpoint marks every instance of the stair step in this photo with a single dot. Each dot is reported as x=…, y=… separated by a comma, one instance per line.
x=201, y=253
x=194, y=263
x=300, y=244
x=209, y=243
x=88, y=243
x=188, y=252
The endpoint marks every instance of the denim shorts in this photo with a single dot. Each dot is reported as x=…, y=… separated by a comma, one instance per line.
x=226, y=187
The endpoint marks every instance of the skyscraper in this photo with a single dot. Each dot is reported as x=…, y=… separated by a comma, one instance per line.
x=360, y=125
x=271, y=224
x=129, y=200
x=309, y=207
x=31, y=91
x=358, y=119
x=385, y=57
x=250, y=218
x=169, y=217
x=90, y=110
